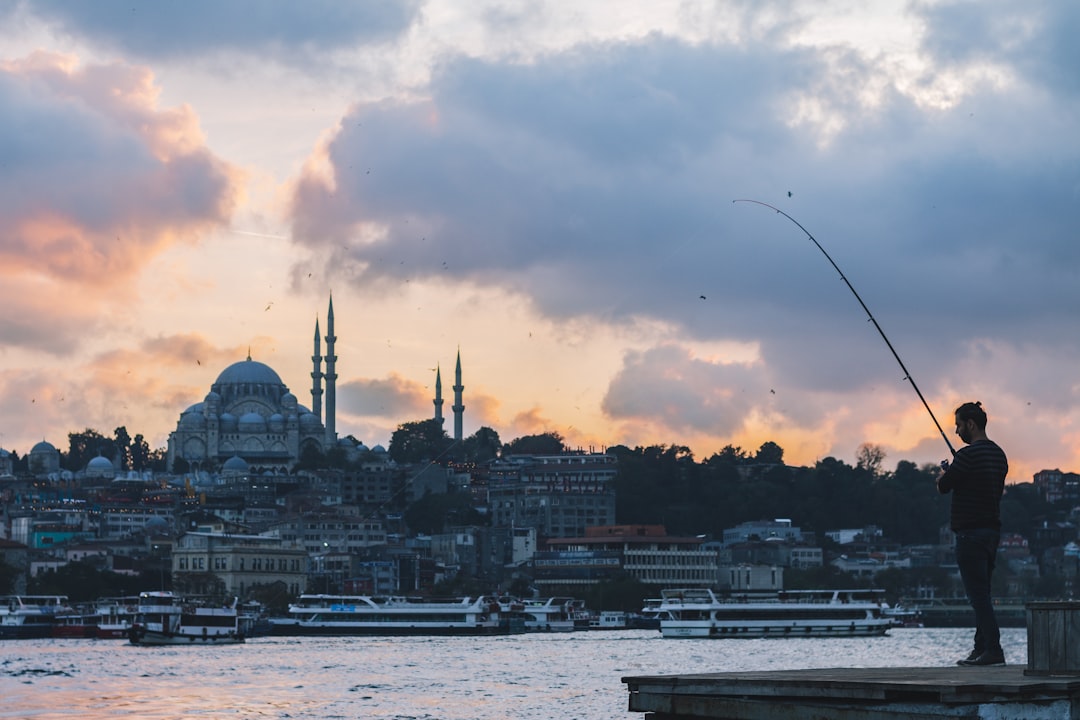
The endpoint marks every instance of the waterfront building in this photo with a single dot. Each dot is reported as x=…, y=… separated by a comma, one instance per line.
x=318, y=533
x=558, y=495
x=226, y=564
x=645, y=552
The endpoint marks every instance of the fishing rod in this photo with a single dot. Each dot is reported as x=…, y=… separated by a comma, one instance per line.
x=907, y=375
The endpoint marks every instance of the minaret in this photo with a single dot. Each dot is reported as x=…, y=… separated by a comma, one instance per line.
x=331, y=377
x=316, y=376
x=459, y=408
x=438, y=396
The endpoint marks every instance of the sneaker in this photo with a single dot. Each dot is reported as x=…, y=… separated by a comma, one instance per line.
x=970, y=658
x=990, y=657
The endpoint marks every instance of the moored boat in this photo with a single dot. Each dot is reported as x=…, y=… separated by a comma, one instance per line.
x=395, y=615
x=701, y=613
x=75, y=624
x=30, y=616
x=609, y=620
x=553, y=614
x=115, y=617
x=166, y=619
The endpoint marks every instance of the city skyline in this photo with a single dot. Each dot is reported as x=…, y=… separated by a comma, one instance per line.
x=550, y=191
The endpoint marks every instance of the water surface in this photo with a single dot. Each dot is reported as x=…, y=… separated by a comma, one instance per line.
x=529, y=677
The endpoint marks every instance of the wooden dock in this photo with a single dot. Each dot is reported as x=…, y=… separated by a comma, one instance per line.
x=993, y=693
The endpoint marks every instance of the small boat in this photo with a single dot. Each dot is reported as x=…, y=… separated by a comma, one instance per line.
x=396, y=615
x=116, y=616
x=30, y=616
x=75, y=624
x=700, y=613
x=553, y=614
x=254, y=619
x=904, y=616
x=609, y=620
x=166, y=619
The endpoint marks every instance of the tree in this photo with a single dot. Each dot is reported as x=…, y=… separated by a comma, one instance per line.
x=140, y=453
x=548, y=443
x=85, y=446
x=415, y=442
x=482, y=446
x=122, y=443
x=869, y=457
x=769, y=454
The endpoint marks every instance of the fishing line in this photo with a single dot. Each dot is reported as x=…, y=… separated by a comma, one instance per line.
x=907, y=375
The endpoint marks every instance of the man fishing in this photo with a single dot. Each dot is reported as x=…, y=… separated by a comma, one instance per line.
x=976, y=479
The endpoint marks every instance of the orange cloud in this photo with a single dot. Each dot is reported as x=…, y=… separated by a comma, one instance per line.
x=100, y=181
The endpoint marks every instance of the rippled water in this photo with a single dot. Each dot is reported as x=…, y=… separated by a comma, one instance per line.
x=528, y=677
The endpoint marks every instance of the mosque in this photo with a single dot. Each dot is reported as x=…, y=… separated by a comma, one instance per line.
x=250, y=421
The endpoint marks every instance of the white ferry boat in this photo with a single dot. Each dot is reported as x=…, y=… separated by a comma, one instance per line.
x=700, y=613
x=30, y=616
x=395, y=615
x=166, y=619
x=553, y=614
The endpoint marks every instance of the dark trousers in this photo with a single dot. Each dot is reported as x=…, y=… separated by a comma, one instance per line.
x=976, y=551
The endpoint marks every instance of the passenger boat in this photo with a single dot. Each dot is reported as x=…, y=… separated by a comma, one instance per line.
x=166, y=619
x=30, y=616
x=553, y=614
x=115, y=617
x=700, y=613
x=395, y=615
x=75, y=624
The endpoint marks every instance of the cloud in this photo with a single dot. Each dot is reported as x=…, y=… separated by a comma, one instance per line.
x=282, y=30
x=598, y=183
x=97, y=181
x=392, y=397
x=136, y=387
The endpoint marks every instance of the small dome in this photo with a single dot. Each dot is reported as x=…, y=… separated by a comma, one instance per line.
x=235, y=464
x=228, y=422
x=378, y=449
x=193, y=418
x=309, y=421
x=276, y=422
x=251, y=422
x=42, y=447
x=99, y=467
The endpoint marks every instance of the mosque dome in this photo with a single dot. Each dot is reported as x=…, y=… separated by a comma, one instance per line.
x=378, y=449
x=251, y=422
x=248, y=371
x=276, y=422
x=43, y=447
x=228, y=422
x=309, y=422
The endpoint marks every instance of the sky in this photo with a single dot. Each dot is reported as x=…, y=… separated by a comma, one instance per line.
x=549, y=189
